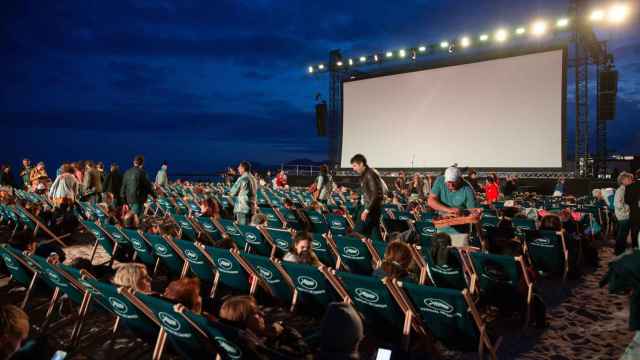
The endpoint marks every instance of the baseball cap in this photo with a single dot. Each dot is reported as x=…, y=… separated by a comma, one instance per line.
x=452, y=174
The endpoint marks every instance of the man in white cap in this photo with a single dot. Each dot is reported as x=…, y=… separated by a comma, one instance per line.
x=450, y=194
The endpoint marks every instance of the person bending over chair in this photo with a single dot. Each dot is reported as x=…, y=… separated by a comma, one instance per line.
x=397, y=263
x=301, y=251
x=450, y=194
x=243, y=313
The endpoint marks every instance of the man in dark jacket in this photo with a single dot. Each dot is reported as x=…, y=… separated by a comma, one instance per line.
x=632, y=198
x=373, y=191
x=113, y=183
x=136, y=186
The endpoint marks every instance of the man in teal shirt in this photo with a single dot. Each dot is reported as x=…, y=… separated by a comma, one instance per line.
x=245, y=190
x=450, y=194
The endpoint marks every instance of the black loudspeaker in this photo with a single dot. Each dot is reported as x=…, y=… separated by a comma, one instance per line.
x=607, y=93
x=321, y=119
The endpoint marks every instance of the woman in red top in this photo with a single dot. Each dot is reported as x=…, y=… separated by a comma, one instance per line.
x=281, y=179
x=491, y=189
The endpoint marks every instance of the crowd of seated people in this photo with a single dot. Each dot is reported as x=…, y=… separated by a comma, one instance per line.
x=244, y=311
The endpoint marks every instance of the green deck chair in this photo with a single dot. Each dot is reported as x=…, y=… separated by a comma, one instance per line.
x=229, y=228
x=273, y=220
x=450, y=276
x=312, y=289
x=318, y=222
x=291, y=219
x=281, y=239
x=254, y=240
x=322, y=250
x=230, y=273
x=452, y=318
x=426, y=230
x=280, y=286
x=142, y=247
x=547, y=251
x=353, y=255
x=169, y=254
x=102, y=238
x=338, y=224
x=22, y=271
x=187, y=232
x=200, y=266
x=208, y=227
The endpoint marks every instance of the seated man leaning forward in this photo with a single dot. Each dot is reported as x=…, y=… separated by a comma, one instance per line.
x=450, y=194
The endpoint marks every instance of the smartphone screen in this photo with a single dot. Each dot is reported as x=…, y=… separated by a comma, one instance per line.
x=59, y=355
x=383, y=354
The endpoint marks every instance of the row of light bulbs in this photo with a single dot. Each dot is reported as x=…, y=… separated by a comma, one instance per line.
x=617, y=13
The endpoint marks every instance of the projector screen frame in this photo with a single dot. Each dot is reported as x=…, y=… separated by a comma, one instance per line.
x=494, y=54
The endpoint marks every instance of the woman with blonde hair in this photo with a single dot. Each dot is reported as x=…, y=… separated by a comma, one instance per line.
x=134, y=276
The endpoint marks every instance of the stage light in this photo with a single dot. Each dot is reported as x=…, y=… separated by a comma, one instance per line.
x=444, y=44
x=539, y=27
x=310, y=69
x=422, y=48
x=484, y=37
x=501, y=35
x=465, y=42
x=350, y=61
x=339, y=63
x=402, y=53
x=617, y=13
x=375, y=57
x=596, y=15
x=389, y=54
x=320, y=66
x=562, y=22
x=363, y=59
x=520, y=30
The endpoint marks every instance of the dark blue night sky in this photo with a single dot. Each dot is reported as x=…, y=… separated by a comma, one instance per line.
x=204, y=84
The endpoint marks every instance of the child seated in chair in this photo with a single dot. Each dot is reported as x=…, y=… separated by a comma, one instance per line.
x=301, y=252
x=397, y=263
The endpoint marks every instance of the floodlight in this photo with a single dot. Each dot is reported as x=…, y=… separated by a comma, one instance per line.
x=350, y=61
x=465, y=41
x=562, y=22
x=375, y=57
x=520, y=30
x=444, y=44
x=339, y=63
x=321, y=66
x=617, y=13
x=310, y=69
x=501, y=35
x=363, y=59
x=484, y=37
x=539, y=27
x=422, y=48
x=597, y=15
x=389, y=54
x=402, y=53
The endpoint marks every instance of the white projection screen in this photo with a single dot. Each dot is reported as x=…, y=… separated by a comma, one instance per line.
x=504, y=113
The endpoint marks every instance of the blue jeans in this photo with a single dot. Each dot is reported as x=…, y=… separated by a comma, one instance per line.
x=621, y=236
x=242, y=218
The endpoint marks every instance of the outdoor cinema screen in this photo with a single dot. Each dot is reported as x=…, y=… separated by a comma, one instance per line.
x=499, y=113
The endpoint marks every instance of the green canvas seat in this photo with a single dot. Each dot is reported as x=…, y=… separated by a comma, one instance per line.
x=254, y=240
x=353, y=255
x=318, y=222
x=187, y=232
x=59, y=281
x=451, y=317
x=372, y=299
x=291, y=219
x=312, y=289
x=337, y=224
x=207, y=225
x=547, y=251
x=279, y=286
x=116, y=235
x=450, y=276
x=322, y=250
x=101, y=237
x=230, y=273
x=169, y=255
x=521, y=225
x=198, y=263
x=21, y=269
x=273, y=220
x=229, y=228
x=282, y=240
x=426, y=230
x=142, y=247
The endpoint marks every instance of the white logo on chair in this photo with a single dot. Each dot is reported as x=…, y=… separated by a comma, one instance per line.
x=542, y=242
x=192, y=256
x=315, y=220
x=55, y=278
x=97, y=234
x=282, y=244
x=336, y=224
x=265, y=273
x=209, y=227
x=121, y=308
x=226, y=266
x=316, y=245
x=439, y=306
x=231, y=230
x=307, y=283
x=291, y=217
x=351, y=252
x=162, y=250
x=428, y=230
x=90, y=288
x=251, y=238
x=185, y=224
x=368, y=297
x=9, y=262
x=116, y=235
x=171, y=324
x=232, y=351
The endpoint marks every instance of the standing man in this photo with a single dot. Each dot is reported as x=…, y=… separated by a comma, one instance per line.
x=245, y=190
x=136, y=186
x=162, y=179
x=113, y=183
x=632, y=198
x=373, y=190
x=25, y=174
x=625, y=179
x=92, y=183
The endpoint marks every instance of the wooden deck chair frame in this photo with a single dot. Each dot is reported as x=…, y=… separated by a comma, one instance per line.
x=485, y=341
x=201, y=231
x=529, y=297
x=94, y=248
x=34, y=278
x=410, y=313
x=269, y=239
x=375, y=258
x=185, y=266
x=421, y=264
x=150, y=245
x=42, y=226
x=161, y=340
x=255, y=278
x=467, y=267
x=330, y=275
x=216, y=274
